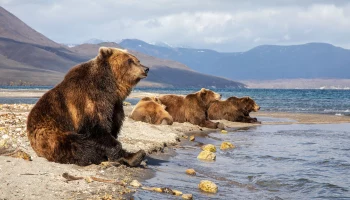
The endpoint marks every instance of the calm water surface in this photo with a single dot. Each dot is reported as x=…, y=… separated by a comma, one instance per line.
x=270, y=162
x=334, y=102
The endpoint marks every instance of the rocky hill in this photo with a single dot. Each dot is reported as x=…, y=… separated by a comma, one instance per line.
x=28, y=57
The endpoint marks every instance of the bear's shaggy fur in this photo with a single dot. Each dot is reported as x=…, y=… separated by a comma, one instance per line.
x=233, y=109
x=192, y=108
x=78, y=121
x=151, y=110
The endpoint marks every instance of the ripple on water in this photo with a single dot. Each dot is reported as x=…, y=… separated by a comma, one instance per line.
x=270, y=162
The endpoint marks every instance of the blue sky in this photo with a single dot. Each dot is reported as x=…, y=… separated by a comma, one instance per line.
x=223, y=25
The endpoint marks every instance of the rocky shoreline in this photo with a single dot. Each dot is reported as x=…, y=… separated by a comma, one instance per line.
x=23, y=179
x=26, y=179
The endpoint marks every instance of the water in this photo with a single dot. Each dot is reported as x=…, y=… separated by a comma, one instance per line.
x=270, y=162
x=334, y=102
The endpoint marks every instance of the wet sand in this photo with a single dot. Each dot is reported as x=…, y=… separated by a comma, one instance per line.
x=39, y=178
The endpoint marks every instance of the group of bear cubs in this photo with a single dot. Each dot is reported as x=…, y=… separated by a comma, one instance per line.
x=78, y=121
x=197, y=108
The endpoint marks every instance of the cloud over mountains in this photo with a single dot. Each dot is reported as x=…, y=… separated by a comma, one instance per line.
x=226, y=25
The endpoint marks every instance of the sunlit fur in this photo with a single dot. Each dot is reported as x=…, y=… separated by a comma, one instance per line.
x=78, y=121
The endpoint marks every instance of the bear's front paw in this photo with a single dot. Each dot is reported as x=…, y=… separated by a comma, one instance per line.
x=135, y=159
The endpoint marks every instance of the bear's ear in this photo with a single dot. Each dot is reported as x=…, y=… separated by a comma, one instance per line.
x=245, y=99
x=105, y=52
x=203, y=90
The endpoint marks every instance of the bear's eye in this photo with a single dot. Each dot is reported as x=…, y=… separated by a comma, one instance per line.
x=130, y=61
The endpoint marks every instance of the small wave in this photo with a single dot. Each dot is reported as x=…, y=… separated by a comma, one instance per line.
x=339, y=114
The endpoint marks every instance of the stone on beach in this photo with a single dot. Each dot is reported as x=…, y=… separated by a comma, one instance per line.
x=223, y=131
x=88, y=179
x=135, y=183
x=177, y=192
x=209, y=147
x=187, y=196
x=125, y=103
x=191, y=172
x=3, y=143
x=206, y=155
x=227, y=145
x=192, y=138
x=208, y=186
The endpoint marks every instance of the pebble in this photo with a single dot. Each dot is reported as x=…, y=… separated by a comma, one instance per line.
x=187, y=196
x=125, y=103
x=227, y=145
x=209, y=147
x=206, y=155
x=208, y=186
x=3, y=143
x=135, y=183
x=177, y=192
x=191, y=172
x=88, y=179
x=5, y=137
x=192, y=138
x=223, y=131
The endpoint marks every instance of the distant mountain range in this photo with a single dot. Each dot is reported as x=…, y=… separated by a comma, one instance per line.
x=29, y=58
x=266, y=62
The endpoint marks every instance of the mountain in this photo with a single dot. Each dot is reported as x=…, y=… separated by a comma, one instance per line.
x=165, y=73
x=13, y=28
x=266, y=62
x=94, y=41
x=28, y=57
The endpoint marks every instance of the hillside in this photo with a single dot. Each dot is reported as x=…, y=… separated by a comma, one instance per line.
x=267, y=62
x=28, y=57
x=13, y=28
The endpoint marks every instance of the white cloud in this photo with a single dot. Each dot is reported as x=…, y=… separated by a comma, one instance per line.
x=226, y=25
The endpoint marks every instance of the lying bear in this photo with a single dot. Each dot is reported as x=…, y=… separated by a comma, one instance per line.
x=233, y=109
x=151, y=110
x=192, y=108
x=78, y=121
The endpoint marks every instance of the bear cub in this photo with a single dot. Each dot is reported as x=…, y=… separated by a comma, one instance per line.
x=152, y=111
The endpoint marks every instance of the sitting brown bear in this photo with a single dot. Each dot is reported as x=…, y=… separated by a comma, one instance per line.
x=233, y=109
x=192, y=108
x=151, y=110
x=78, y=121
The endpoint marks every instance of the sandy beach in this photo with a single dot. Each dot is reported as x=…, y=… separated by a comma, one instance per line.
x=22, y=179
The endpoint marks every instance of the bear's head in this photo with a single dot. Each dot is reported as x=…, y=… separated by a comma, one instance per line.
x=248, y=105
x=153, y=99
x=208, y=96
x=126, y=68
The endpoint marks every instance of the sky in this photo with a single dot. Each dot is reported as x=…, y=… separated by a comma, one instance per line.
x=222, y=25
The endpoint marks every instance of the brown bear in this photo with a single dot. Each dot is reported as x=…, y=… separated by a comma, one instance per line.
x=78, y=121
x=192, y=108
x=151, y=110
x=233, y=109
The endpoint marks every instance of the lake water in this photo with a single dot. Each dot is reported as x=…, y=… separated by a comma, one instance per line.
x=334, y=102
x=270, y=162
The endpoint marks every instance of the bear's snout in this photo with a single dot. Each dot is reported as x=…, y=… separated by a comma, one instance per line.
x=146, y=69
x=256, y=108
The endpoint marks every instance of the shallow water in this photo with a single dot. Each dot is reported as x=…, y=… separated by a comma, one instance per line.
x=296, y=161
